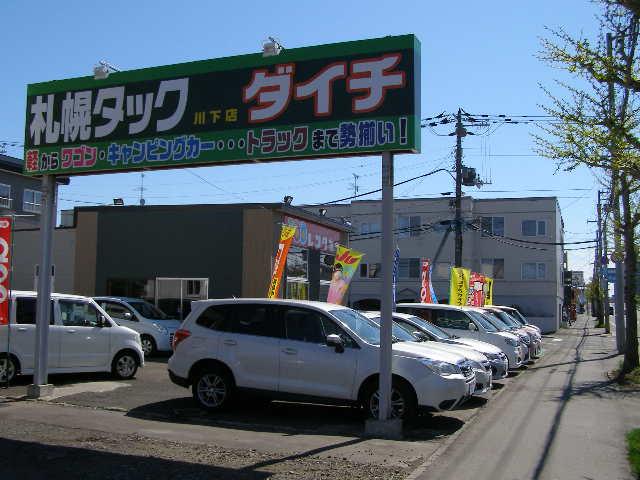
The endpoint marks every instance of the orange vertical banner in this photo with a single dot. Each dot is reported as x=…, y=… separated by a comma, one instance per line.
x=286, y=237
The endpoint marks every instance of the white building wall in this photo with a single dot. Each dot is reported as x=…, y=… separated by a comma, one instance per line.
x=540, y=299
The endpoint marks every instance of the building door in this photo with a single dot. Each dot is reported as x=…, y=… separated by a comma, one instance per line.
x=174, y=295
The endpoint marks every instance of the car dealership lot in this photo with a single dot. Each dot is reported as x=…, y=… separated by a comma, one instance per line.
x=151, y=406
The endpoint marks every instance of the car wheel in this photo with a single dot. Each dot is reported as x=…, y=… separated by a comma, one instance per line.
x=403, y=401
x=125, y=365
x=212, y=389
x=148, y=345
x=8, y=369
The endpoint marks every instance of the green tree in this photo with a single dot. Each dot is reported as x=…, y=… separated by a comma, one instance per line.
x=597, y=125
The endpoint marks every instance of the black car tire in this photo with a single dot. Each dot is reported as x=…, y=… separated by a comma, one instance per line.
x=125, y=365
x=403, y=400
x=213, y=389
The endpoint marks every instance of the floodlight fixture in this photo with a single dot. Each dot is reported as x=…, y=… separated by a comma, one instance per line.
x=102, y=70
x=118, y=202
x=322, y=212
x=271, y=47
x=288, y=199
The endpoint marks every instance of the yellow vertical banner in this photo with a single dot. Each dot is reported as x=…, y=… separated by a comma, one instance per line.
x=488, y=291
x=459, y=286
x=286, y=237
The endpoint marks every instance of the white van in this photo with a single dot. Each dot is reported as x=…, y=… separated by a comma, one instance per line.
x=466, y=323
x=82, y=338
x=156, y=329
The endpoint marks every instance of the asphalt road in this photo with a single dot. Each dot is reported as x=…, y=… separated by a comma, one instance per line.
x=564, y=419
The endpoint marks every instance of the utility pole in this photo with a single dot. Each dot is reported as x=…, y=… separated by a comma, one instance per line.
x=598, y=262
x=605, y=276
x=460, y=132
x=614, y=201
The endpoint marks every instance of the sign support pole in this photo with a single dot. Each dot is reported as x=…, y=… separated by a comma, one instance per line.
x=40, y=388
x=385, y=426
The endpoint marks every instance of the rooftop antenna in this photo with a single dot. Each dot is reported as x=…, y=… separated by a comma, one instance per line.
x=354, y=184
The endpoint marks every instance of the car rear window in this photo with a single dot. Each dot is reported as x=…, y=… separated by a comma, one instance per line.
x=26, y=311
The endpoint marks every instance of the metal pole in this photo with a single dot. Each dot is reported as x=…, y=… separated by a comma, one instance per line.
x=599, y=262
x=619, y=265
x=386, y=309
x=605, y=265
x=43, y=305
x=460, y=132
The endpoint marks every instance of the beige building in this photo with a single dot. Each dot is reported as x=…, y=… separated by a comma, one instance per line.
x=507, y=239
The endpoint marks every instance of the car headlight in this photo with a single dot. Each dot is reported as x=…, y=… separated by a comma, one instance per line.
x=512, y=342
x=525, y=339
x=493, y=356
x=162, y=329
x=444, y=369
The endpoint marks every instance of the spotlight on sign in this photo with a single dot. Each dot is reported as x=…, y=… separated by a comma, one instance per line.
x=288, y=199
x=118, y=202
x=271, y=47
x=322, y=212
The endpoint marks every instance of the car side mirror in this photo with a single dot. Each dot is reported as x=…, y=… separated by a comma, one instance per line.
x=421, y=335
x=472, y=326
x=103, y=322
x=335, y=341
x=127, y=315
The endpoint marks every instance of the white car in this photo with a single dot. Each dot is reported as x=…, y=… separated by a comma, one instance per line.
x=417, y=325
x=156, y=329
x=533, y=339
x=306, y=350
x=504, y=326
x=478, y=361
x=82, y=338
x=466, y=323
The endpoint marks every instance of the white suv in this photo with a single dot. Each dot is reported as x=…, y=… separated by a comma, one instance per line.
x=82, y=338
x=306, y=350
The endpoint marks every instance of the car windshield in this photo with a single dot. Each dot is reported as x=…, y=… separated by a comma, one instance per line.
x=482, y=320
x=493, y=318
x=513, y=316
x=366, y=329
x=399, y=332
x=518, y=316
x=148, y=310
x=430, y=328
x=506, y=318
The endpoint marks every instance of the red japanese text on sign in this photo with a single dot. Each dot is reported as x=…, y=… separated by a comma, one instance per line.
x=313, y=236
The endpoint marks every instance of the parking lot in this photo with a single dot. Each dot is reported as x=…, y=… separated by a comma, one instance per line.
x=157, y=408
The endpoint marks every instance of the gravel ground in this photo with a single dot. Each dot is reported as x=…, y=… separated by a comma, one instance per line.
x=55, y=452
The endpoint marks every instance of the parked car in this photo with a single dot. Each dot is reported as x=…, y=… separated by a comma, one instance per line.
x=535, y=339
x=310, y=351
x=467, y=323
x=515, y=313
x=479, y=362
x=82, y=338
x=156, y=329
x=505, y=326
x=497, y=359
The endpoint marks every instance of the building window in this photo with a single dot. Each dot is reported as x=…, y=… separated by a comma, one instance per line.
x=408, y=226
x=409, y=268
x=31, y=201
x=370, y=270
x=369, y=227
x=493, y=226
x=532, y=228
x=534, y=271
x=493, y=267
x=5, y=195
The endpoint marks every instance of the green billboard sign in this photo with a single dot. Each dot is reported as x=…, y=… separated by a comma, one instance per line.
x=341, y=99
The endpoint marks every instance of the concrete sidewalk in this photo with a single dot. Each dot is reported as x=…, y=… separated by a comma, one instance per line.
x=564, y=419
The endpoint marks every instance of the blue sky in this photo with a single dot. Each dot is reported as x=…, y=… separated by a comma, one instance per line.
x=476, y=55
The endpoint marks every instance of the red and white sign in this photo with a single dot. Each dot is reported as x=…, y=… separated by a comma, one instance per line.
x=5, y=265
x=425, y=290
x=313, y=236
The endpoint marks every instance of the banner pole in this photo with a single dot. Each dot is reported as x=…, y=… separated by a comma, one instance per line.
x=40, y=387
